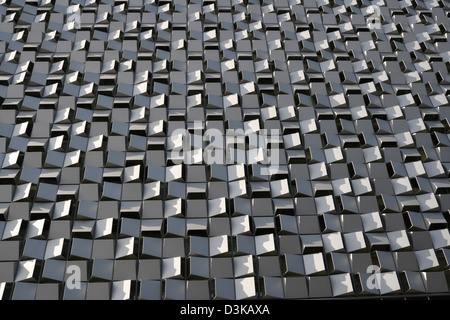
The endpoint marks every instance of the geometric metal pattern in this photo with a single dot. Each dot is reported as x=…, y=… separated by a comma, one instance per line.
x=93, y=91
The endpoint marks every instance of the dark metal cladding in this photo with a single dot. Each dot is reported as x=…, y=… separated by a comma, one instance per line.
x=224, y=149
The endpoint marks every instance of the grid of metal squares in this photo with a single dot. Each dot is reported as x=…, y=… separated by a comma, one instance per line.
x=94, y=205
